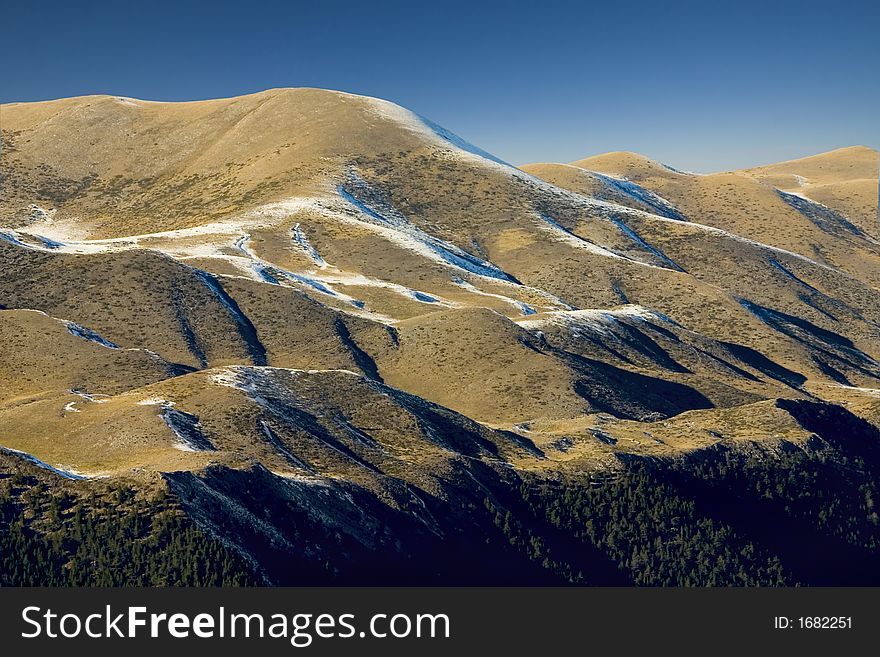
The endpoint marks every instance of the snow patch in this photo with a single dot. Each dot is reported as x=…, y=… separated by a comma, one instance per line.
x=369, y=203
x=360, y=280
x=12, y=237
x=596, y=320
x=268, y=273
x=655, y=202
x=237, y=376
x=566, y=235
x=421, y=296
x=89, y=334
x=50, y=243
x=67, y=474
x=458, y=142
x=522, y=306
x=154, y=401
x=300, y=238
x=525, y=308
x=871, y=392
x=433, y=132
x=95, y=398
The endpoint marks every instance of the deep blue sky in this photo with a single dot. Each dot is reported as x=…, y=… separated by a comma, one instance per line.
x=701, y=86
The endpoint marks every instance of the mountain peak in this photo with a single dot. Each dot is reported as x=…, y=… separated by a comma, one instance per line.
x=849, y=163
x=626, y=164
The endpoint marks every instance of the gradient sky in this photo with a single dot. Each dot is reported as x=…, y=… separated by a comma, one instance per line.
x=702, y=86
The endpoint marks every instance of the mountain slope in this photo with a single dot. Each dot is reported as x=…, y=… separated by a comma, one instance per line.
x=747, y=204
x=321, y=323
x=844, y=180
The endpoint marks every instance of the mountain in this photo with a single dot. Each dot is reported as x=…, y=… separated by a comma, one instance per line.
x=326, y=340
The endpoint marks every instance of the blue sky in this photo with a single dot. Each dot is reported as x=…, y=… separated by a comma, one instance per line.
x=702, y=86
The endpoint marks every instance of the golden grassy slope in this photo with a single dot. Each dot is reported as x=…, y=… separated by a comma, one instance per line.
x=206, y=160
x=746, y=204
x=41, y=357
x=840, y=165
x=844, y=179
x=308, y=229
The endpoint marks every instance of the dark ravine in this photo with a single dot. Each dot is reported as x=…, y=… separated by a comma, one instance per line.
x=824, y=345
x=192, y=340
x=361, y=358
x=246, y=328
x=823, y=217
x=187, y=428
